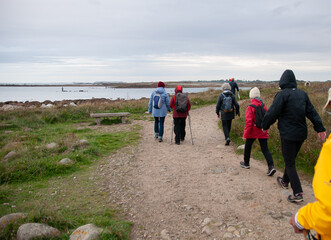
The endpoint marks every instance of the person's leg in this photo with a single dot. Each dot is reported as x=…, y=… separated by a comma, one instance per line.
x=266, y=152
x=248, y=148
x=182, y=129
x=161, y=129
x=156, y=126
x=225, y=126
x=177, y=130
x=290, y=150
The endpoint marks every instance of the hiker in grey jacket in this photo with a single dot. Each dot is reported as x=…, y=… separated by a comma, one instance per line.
x=290, y=107
x=227, y=116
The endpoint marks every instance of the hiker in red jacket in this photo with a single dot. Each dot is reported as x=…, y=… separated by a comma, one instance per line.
x=252, y=132
x=179, y=116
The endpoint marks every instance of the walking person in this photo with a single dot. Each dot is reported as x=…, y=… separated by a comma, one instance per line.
x=158, y=106
x=180, y=105
x=290, y=107
x=317, y=215
x=253, y=131
x=228, y=106
x=234, y=86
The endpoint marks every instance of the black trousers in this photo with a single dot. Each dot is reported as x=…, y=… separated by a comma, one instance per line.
x=179, y=129
x=264, y=147
x=290, y=151
x=226, y=125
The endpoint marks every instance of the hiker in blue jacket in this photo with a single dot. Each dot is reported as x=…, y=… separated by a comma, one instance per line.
x=159, y=114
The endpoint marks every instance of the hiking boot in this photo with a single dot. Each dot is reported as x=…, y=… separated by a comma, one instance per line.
x=227, y=141
x=271, y=171
x=156, y=135
x=281, y=183
x=160, y=139
x=295, y=198
x=243, y=165
x=178, y=143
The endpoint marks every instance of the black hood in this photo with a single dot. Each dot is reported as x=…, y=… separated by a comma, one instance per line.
x=287, y=80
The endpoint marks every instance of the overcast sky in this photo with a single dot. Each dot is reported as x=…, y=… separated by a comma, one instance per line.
x=44, y=41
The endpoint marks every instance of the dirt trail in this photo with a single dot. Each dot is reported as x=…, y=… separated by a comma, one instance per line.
x=200, y=192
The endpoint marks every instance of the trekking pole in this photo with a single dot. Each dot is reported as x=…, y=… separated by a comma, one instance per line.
x=172, y=129
x=189, y=123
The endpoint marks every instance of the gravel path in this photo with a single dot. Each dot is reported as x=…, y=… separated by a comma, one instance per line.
x=199, y=191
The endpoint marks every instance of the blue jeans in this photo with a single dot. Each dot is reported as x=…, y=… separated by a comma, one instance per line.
x=159, y=125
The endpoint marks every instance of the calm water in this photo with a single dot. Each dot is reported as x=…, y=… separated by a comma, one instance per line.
x=41, y=94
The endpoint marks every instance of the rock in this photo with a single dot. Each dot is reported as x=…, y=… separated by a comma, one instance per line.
x=10, y=218
x=206, y=221
x=65, y=161
x=231, y=229
x=72, y=104
x=83, y=142
x=207, y=230
x=47, y=106
x=51, y=145
x=233, y=171
x=36, y=230
x=241, y=147
x=276, y=216
x=9, y=107
x=86, y=232
x=165, y=235
x=287, y=214
x=228, y=235
x=9, y=155
x=218, y=170
x=245, y=196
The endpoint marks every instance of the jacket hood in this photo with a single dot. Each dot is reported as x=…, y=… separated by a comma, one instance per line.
x=160, y=90
x=178, y=89
x=287, y=80
x=256, y=101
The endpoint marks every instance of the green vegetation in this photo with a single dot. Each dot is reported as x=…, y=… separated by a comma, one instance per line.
x=34, y=182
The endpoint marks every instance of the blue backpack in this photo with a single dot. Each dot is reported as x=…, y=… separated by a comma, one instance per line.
x=157, y=100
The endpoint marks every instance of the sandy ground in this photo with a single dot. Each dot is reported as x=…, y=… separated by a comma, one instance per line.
x=200, y=191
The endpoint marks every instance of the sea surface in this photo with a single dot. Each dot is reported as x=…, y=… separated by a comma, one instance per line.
x=57, y=93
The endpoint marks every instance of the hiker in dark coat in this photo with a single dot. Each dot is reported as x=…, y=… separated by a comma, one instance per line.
x=179, y=117
x=252, y=132
x=290, y=107
x=234, y=86
x=227, y=116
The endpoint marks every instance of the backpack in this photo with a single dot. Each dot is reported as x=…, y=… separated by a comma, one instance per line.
x=181, y=104
x=259, y=115
x=227, y=105
x=157, y=100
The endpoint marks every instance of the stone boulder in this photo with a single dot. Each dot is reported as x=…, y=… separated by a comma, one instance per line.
x=36, y=230
x=9, y=155
x=65, y=162
x=10, y=218
x=51, y=145
x=86, y=232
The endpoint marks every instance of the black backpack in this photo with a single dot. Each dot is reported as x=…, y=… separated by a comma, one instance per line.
x=259, y=115
x=227, y=105
x=181, y=104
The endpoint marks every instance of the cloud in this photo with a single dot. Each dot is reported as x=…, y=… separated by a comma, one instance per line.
x=143, y=40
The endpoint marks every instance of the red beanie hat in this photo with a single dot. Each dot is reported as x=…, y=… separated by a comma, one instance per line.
x=161, y=84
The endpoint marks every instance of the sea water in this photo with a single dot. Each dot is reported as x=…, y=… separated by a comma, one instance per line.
x=58, y=93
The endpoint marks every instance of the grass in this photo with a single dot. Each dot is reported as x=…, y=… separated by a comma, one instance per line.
x=66, y=197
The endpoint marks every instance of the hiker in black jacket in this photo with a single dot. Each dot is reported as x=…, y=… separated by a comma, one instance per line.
x=290, y=107
x=226, y=115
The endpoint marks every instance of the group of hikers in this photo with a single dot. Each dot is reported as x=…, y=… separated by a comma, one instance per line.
x=291, y=106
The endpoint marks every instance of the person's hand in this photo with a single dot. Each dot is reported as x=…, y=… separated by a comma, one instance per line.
x=322, y=135
x=244, y=139
x=292, y=222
